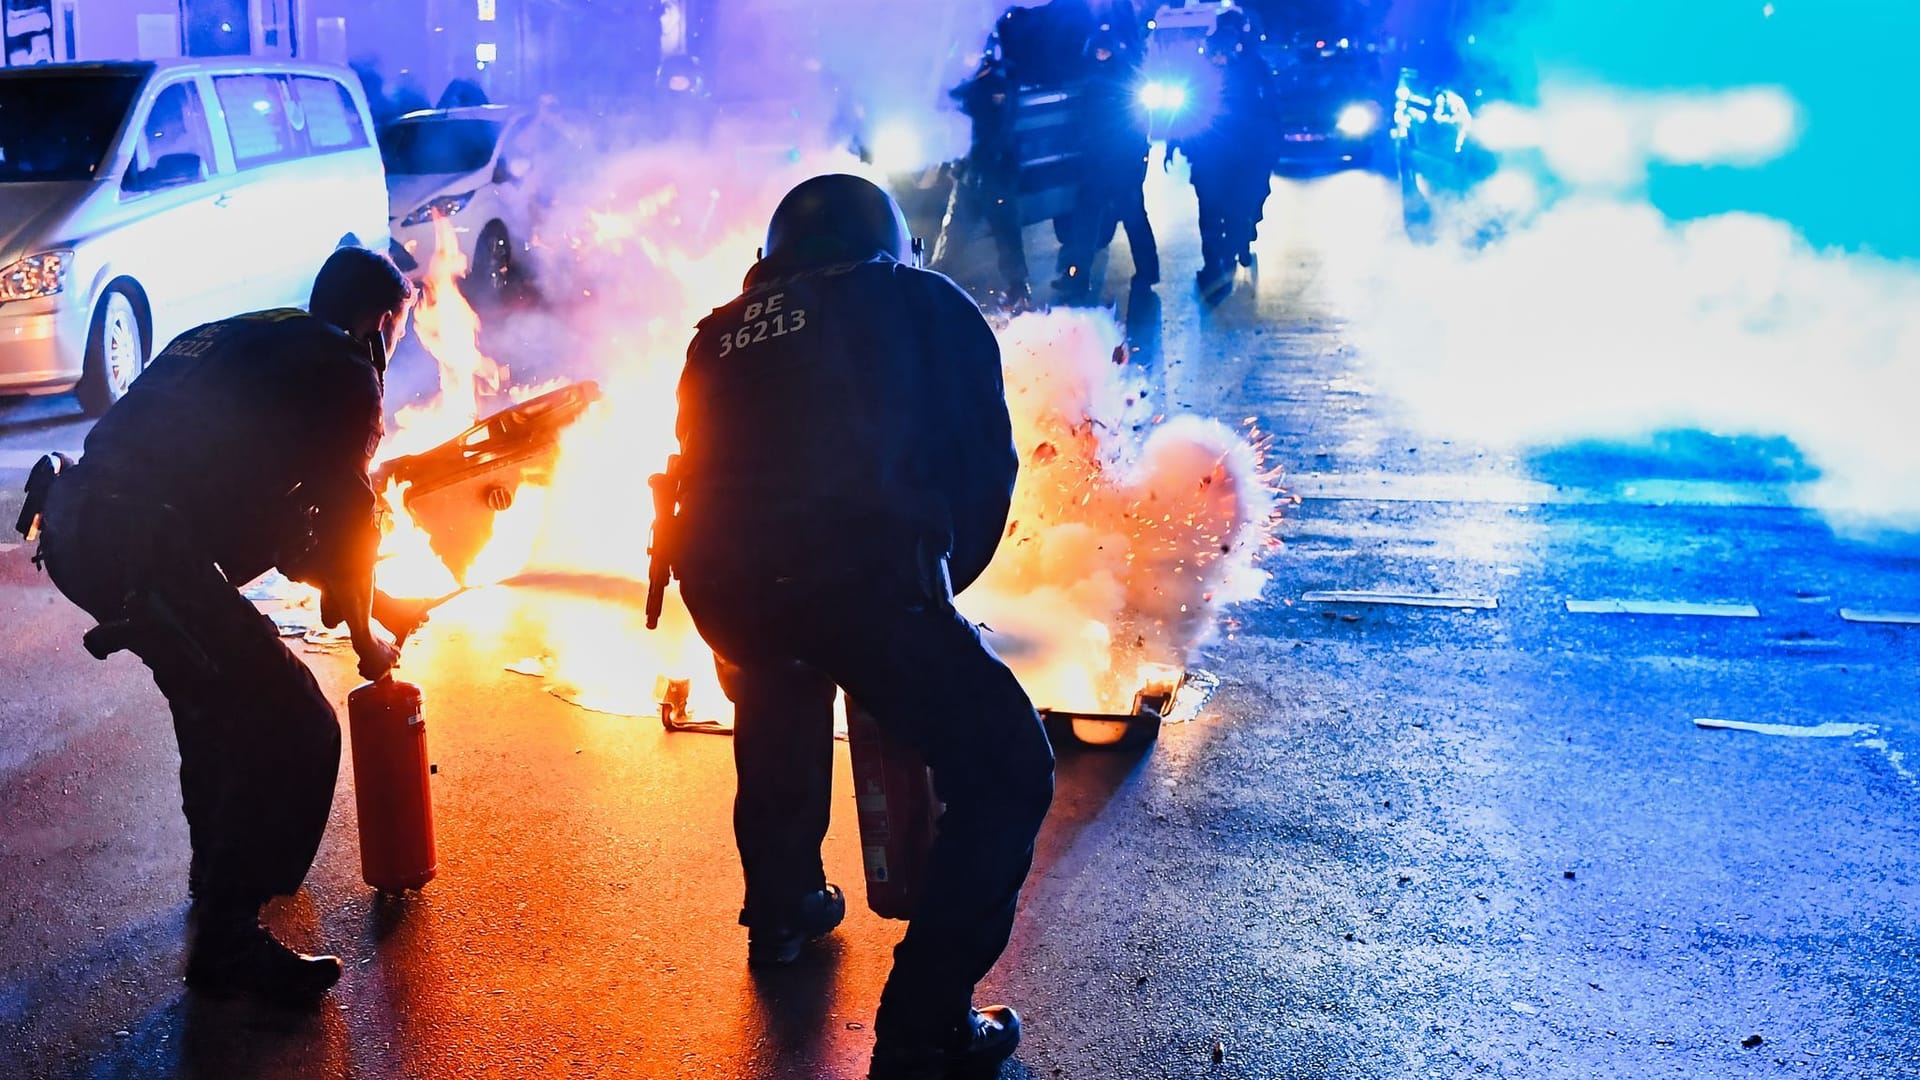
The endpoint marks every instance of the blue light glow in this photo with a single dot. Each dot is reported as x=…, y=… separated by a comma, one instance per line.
x=1163, y=97
x=1847, y=178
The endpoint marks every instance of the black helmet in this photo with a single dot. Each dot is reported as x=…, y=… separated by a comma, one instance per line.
x=834, y=219
x=1111, y=41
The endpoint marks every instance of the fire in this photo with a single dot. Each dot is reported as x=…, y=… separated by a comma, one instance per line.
x=1129, y=532
x=1122, y=547
x=450, y=329
x=408, y=567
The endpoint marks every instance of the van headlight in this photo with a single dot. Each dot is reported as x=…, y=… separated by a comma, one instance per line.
x=444, y=206
x=35, y=276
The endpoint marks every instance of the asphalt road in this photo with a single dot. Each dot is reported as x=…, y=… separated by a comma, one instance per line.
x=1403, y=842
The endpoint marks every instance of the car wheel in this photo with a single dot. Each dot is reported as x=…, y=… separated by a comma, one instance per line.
x=493, y=263
x=116, y=351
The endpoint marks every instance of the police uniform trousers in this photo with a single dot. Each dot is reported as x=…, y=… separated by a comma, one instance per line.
x=922, y=671
x=1113, y=196
x=1231, y=181
x=985, y=197
x=259, y=741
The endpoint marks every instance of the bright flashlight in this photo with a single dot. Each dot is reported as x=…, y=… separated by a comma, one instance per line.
x=1358, y=119
x=1167, y=97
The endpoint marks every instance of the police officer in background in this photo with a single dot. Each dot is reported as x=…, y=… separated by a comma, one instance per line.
x=846, y=464
x=1113, y=161
x=987, y=190
x=1232, y=161
x=243, y=446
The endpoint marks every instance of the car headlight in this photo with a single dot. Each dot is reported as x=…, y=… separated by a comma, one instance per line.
x=1358, y=119
x=34, y=276
x=1163, y=97
x=444, y=206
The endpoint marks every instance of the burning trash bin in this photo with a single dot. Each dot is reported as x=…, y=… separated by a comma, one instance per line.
x=454, y=490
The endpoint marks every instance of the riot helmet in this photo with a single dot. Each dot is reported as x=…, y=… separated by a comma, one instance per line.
x=1108, y=44
x=836, y=218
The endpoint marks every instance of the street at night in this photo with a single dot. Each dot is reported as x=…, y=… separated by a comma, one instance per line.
x=1560, y=579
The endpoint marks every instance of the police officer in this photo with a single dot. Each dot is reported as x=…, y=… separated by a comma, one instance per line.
x=847, y=462
x=244, y=445
x=1232, y=161
x=1113, y=171
x=987, y=189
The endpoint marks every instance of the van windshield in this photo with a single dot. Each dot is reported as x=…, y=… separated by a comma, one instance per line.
x=59, y=126
x=432, y=147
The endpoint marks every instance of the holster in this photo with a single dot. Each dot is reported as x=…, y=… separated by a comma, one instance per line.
x=151, y=627
x=39, y=482
x=161, y=569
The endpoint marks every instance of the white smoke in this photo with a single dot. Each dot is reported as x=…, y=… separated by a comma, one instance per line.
x=1602, y=319
x=1130, y=533
x=1595, y=316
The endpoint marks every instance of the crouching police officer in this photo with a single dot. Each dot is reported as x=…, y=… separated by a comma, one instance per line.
x=846, y=462
x=243, y=446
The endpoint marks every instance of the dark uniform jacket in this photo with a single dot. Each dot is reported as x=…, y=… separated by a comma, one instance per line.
x=253, y=428
x=833, y=419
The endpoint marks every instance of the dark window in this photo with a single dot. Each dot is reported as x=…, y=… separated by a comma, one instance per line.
x=175, y=125
x=60, y=126
x=333, y=120
x=258, y=120
x=218, y=28
x=432, y=147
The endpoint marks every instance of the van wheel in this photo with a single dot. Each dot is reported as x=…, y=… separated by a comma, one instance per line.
x=493, y=269
x=116, y=352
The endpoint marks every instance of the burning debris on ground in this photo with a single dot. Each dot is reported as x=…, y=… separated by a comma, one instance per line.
x=1133, y=527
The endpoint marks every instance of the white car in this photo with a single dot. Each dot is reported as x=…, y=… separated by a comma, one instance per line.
x=470, y=167
x=139, y=200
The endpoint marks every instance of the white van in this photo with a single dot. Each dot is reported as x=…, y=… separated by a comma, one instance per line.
x=139, y=200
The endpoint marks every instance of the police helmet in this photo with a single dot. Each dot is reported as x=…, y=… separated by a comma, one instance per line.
x=1108, y=43
x=834, y=219
x=1231, y=21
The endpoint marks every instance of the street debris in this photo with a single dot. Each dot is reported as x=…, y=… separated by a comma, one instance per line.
x=1753, y=1042
x=1219, y=1052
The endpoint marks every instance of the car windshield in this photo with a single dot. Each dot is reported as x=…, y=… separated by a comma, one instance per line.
x=58, y=126
x=1316, y=73
x=430, y=147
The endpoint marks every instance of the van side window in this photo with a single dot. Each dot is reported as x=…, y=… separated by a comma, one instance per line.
x=333, y=119
x=257, y=120
x=175, y=125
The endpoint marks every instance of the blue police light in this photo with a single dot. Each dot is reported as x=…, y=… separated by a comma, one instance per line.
x=1163, y=97
x=1358, y=120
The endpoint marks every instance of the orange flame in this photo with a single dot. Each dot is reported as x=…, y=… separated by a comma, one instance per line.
x=1115, y=563
x=450, y=330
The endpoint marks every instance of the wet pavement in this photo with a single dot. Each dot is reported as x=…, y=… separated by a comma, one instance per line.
x=1484, y=839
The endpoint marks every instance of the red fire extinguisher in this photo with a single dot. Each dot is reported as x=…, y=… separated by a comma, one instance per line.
x=390, y=785
x=894, y=794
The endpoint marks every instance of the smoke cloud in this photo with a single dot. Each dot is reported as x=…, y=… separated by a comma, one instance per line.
x=1688, y=242
x=1130, y=532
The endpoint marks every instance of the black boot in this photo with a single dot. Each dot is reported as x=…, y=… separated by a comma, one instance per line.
x=232, y=954
x=1215, y=282
x=989, y=1037
x=779, y=944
